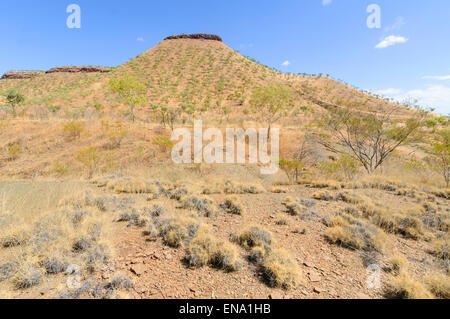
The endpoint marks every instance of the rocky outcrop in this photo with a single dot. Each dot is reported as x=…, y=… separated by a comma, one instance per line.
x=198, y=36
x=20, y=75
x=78, y=69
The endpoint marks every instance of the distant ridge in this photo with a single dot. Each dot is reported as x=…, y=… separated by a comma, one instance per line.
x=198, y=36
x=20, y=75
x=77, y=69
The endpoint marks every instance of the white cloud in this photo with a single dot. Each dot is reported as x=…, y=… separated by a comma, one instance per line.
x=436, y=77
x=390, y=40
x=435, y=96
x=399, y=22
x=140, y=39
x=326, y=2
x=286, y=63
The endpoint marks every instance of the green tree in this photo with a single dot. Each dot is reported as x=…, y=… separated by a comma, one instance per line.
x=130, y=91
x=346, y=165
x=272, y=102
x=292, y=168
x=369, y=138
x=90, y=158
x=440, y=154
x=14, y=99
x=167, y=115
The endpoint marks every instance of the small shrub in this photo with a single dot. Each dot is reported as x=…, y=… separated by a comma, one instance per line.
x=403, y=287
x=81, y=245
x=346, y=167
x=236, y=188
x=8, y=270
x=53, y=265
x=61, y=169
x=233, y=206
x=279, y=190
x=13, y=239
x=294, y=208
x=254, y=236
x=98, y=255
x=326, y=196
x=13, y=152
x=28, y=276
x=258, y=254
x=282, y=222
x=399, y=264
x=179, y=230
x=202, y=205
x=205, y=249
x=303, y=230
x=128, y=186
x=441, y=248
x=122, y=282
x=73, y=130
x=355, y=234
x=439, y=285
x=164, y=143
x=279, y=270
x=90, y=158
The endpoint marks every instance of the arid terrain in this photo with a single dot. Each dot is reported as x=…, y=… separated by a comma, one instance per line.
x=92, y=206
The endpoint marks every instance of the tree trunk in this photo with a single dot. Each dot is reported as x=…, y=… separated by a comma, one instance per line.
x=132, y=113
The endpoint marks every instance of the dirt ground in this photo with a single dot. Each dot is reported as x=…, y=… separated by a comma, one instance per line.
x=330, y=271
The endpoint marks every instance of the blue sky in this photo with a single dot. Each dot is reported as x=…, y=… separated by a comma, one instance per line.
x=407, y=57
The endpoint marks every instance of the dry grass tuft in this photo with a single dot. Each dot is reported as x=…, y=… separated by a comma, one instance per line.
x=279, y=270
x=206, y=250
x=232, y=205
x=399, y=264
x=254, y=236
x=404, y=287
x=439, y=285
x=294, y=208
x=441, y=248
x=325, y=196
x=46, y=242
x=128, y=185
x=333, y=185
x=282, y=221
x=279, y=190
x=354, y=233
x=179, y=230
x=231, y=187
x=202, y=205
x=402, y=223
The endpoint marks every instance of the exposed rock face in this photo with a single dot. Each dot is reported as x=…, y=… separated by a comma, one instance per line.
x=78, y=69
x=19, y=75
x=196, y=36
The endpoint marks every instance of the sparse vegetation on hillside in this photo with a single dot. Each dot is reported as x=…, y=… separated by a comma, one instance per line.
x=367, y=187
x=130, y=91
x=14, y=99
x=369, y=138
x=272, y=102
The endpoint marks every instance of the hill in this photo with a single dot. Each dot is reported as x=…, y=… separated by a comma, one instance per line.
x=184, y=72
x=83, y=185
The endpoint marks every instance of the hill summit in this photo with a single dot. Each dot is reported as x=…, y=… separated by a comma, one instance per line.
x=197, y=36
